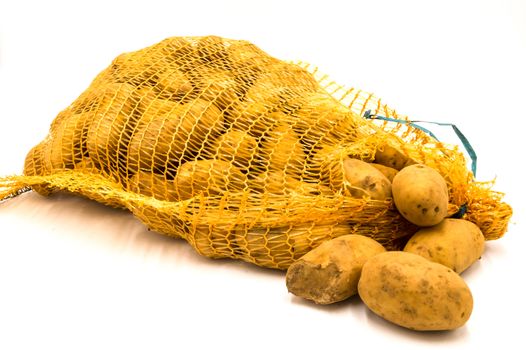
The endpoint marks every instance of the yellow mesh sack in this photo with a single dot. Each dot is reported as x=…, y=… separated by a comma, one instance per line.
x=216, y=142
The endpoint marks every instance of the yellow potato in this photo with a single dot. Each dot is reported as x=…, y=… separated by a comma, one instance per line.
x=362, y=179
x=414, y=293
x=136, y=68
x=210, y=177
x=235, y=146
x=420, y=194
x=34, y=165
x=114, y=112
x=330, y=272
x=279, y=247
x=154, y=185
x=173, y=84
x=180, y=51
x=214, y=241
x=216, y=85
x=388, y=172
x=174, y=137
x=277, y=182
x=454, y=243
x=391, y=157
x=67, y=144
x=322, y=119
x=281, y=150
x=212, y=50
x=352, y=176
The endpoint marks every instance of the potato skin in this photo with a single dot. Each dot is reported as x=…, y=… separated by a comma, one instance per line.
x=388, y=172
x=393, y=158
x=211, y=177
x=414, y=293
x=330, y=272
x=154, y=185
x=363, y=179
x=454, y=243
x=420, y=194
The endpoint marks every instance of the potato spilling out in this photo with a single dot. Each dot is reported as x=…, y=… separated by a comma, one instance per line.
x=414, y=293
x=454, y=243
x=330, y=273
x=421, y=195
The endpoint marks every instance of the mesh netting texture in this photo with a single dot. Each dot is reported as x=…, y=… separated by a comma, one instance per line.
x=239, y=153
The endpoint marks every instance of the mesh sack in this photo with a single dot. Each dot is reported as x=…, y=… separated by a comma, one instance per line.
x=216, y=142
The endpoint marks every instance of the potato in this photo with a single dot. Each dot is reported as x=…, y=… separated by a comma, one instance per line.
x=173, y=84
x=237, y=147
x=136, y=68
x=357, y=178
x=281, y=150
x=180, y=51
x=277, y=182
x=211, y=177
x=154, y=185
x=171, y=138
x=217, y=86
x=114, y=112
x=391, y=157
x=279, y=247
x=420, y=194
x=388, y=172
x=454, y=243
x=214, y=241
x=321, y=118
x=414, y=293
x=67, y=144
x=248, y=61
x=330, y=273
x=34, y=165
x=211, y=49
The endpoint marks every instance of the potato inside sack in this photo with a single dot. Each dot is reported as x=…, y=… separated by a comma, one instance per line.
x=154, y=185
x=169, y=139
x=139, y=68
x=115, y=109
x=237, y=147
x=351, y=176
x=209, y=177
x=214, y=241
x=281, y=150
x=330, y=272
x=323, y=120
x=454, y=243
x=67, y=145
x=388, y=172
x=34, y=164
x=421, y=195
x=217, y=86
x=389, y=156
x=279, y=247
x=173, y=84
x=212, y=51
x=180, y=51
x=278, y=182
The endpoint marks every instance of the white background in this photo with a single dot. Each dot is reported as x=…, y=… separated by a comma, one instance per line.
x=77, y=275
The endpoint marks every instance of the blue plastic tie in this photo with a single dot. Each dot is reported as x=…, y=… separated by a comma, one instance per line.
x=467, y=146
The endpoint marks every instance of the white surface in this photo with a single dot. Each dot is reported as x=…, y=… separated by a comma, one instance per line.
x=77, y=275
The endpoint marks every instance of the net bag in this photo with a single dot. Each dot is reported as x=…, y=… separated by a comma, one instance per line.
x=216, y=142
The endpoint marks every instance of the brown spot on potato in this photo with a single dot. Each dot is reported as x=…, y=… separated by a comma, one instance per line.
x=437, y=209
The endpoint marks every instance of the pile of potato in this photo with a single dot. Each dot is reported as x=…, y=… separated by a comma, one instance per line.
x=207, y=117
x=418, y=288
